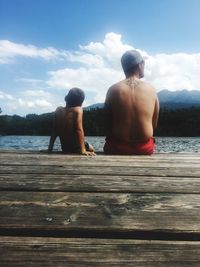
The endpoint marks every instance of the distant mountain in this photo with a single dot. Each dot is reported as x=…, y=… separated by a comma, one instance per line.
x=94, y=106
x=179, y=99
x=183, y=96
x=170, y=99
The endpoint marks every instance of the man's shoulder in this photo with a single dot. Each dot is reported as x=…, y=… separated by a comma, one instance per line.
x=146, y=85
x=125, y=83
x=148, y=89
x=117, y=85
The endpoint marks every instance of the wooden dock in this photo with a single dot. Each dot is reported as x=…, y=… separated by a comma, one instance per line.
x=67, y=210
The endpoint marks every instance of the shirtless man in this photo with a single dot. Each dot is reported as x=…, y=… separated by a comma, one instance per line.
x=68, y=125
x=132, y=110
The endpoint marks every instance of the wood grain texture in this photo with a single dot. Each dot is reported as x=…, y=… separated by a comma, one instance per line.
x=98, y=183
x=104, y=170
x=71, y=198
x=23, y=252
x=100, y=211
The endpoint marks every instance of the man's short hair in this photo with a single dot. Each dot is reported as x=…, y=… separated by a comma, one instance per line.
x=75, y=97
x=130, y=60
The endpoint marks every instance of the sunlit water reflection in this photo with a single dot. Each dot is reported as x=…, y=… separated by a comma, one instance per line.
x=163, y=144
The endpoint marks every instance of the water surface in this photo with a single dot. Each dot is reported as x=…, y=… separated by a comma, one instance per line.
x=163, y=144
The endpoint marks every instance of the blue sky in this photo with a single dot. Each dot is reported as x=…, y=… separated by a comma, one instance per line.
x=49, y=46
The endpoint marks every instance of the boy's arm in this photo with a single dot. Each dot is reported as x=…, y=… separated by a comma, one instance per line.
x=80, y=133
x=52, y=141
x=53, y=136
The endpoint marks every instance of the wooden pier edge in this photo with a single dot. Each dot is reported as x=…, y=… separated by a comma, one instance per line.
x=70, y=210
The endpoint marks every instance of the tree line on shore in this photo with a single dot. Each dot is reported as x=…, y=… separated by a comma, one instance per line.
x=172, y=122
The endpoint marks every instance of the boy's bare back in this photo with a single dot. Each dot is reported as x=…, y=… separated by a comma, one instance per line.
x=65, y=125
x=68, y=125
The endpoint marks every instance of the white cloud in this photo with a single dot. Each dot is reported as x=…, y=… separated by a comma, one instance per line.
x=174, y=71
x=10, y=50
x=101, y=67
x=164, y=71
x=97, y=66
x=111, y=48
x=37, y=93
x=33, y=82
x=85, y=59
x=27, y=101
x=43, y=103
x=89, y=79
x=4, y=96
x=37, y=103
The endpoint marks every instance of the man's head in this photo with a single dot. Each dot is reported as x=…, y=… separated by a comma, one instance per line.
x=75, y=97
x=132, y=63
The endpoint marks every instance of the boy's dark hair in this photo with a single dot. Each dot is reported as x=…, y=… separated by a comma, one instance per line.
x=75, y=97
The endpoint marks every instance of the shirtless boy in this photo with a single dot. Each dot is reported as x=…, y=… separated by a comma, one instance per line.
x=68, y=125
x=132, y=110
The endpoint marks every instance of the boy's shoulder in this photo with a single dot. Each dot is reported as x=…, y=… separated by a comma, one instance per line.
x=76, y=109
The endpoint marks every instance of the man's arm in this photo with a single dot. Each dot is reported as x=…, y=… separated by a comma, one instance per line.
x=107, y=114
x=156, y=113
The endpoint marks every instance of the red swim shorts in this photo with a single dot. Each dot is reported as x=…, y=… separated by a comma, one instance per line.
x=116, y=147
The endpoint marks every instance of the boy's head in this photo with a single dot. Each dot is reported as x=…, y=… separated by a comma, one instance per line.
x=75, y=97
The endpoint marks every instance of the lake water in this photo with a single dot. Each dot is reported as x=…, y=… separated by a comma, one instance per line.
x=163, y=144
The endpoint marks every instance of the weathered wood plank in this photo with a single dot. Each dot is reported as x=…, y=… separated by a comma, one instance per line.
x=121, y=196
x=36, y=154
x=98, y=183
x=100, y=212
x=40, y=252
x=23, y=153
x=98, y=161
x=30, y=151
x=104, y=170
x=37, y=161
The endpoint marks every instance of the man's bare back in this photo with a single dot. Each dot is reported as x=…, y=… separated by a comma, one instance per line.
x=134, y=110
